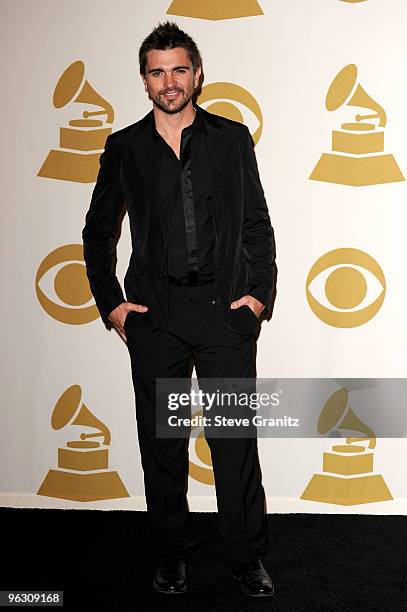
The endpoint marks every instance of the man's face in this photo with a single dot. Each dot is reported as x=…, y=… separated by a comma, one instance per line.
x=169, y=79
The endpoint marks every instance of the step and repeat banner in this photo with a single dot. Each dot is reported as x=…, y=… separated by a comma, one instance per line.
x=321, y=85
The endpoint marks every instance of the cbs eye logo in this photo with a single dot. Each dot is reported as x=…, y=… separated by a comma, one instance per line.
x=233, y=102
x=204, y=472
x=65, y=293
x=352, y=287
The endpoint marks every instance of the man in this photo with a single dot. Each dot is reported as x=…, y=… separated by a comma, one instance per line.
x=201, y=275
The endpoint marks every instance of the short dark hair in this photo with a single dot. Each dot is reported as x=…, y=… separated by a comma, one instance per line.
x=168, y=36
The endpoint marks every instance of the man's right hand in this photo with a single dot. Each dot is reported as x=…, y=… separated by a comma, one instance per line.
x=119, y=314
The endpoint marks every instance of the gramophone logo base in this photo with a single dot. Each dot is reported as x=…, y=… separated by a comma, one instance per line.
x=67, y=166
x=357, y=171
x=347, y=491
x=204, y=9
x=83, y=487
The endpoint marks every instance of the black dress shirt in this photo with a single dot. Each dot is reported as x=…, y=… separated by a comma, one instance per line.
x=186, y=189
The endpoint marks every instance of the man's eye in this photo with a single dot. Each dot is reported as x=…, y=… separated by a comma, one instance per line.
x=155, y=74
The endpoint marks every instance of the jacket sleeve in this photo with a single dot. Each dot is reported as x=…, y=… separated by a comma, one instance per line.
x=258, y=234
x=99, y=234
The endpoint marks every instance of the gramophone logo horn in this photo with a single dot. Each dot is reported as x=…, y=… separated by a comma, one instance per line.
x=357, y=156
x=82, y=142
x=84, y=418
x=214, y=9
x=337, y=415
x=82, y=473
x=347, y=479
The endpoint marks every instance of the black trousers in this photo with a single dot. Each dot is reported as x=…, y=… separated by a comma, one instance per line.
x=196, y=336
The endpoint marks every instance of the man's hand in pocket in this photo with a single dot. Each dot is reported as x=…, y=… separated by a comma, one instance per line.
x=255, y=305
x=119, y=314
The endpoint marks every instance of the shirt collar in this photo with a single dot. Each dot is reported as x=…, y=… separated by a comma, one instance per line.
x=195, y=126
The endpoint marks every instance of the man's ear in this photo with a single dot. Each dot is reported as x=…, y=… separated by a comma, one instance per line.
x=144, y=81
x=197, y=76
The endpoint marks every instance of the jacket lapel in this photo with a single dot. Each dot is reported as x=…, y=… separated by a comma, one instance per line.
x=220, y=154
x=145, y=157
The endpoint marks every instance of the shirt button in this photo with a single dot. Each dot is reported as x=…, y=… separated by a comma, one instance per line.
x=213, y=301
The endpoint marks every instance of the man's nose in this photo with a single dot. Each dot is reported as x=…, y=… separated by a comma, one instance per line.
x=169, y=80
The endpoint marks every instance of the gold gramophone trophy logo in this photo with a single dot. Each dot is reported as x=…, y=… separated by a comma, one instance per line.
x=82, y=473
x=215, y=9
x=80, y=144
x=347, y=479
x=357, y=156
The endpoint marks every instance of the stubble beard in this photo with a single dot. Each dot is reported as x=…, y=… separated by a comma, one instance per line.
x=171, y=107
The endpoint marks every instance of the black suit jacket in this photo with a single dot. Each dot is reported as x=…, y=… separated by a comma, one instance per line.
x=129, y=179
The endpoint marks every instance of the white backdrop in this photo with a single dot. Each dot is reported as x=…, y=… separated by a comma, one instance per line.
x=286, y=58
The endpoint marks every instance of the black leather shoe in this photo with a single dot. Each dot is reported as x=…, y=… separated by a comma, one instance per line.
x=170, y=576
x=253, y=578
